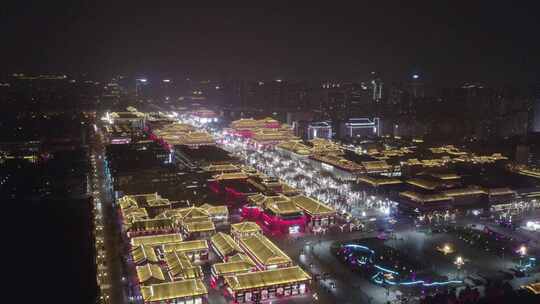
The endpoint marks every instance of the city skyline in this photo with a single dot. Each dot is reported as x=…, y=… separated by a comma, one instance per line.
x=444, y=43
x=369, y=152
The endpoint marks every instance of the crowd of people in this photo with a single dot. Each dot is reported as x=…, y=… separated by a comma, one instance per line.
x=486, y=240
x=495, y=293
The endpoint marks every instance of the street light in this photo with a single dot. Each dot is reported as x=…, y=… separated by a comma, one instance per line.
x=446, y=249
x=522, y=251
x=459, y=262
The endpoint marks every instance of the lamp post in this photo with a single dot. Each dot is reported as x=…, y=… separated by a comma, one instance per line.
x=459, y=262
x=522, y=253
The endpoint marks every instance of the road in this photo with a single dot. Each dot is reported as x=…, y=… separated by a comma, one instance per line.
x=102, y=190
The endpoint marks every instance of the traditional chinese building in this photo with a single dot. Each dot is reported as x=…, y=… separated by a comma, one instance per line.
x=186, y=291
x=267, y=285
x=196, y=250
x=318, y=215
x=245, y=229
x=224, y=246
x=264, y=253
x=277, y=212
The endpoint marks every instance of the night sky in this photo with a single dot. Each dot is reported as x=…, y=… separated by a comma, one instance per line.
x=444, y=41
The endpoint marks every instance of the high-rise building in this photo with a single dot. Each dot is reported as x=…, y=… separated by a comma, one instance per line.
x=416, y=87
x=360, y=127
x=535, y=121
x=376, y=89
x=140, y=88
x=321, y=129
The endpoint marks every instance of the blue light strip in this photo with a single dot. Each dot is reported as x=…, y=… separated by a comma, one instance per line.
x=385, y=270
x=423, y=283
x=358, y=246
x=381, y=281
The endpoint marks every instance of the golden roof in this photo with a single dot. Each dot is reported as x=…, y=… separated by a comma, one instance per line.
x=151, y=224
x=323, y=146
x=176, y=259
x=286, y=189
x=179, y=266
x=247, y=123
x=153, y=240
x=224, y=244
x=338, y=161
x=158, y=202
x=245, y=227
x=221, y=168
x=133, y=214
x=271, y=182
x=525, y=170
x=173, y=290
x=190, y=214
x=148, y=272
x=446, y=176
x=134, y=217
x=501, y=191
x=177, y=134
x=127, y=202
x=240, y=257
x=376, y=165
x=176, y=127
x=295, y=146
x=229, y=268
x=422, y=183
x=279, y=204
x=274, y=135
x=144, y=253
x=424, y=198
x=379, y=180
x=261, y=279
x=264, y=250
x=202, y=226
x=236, y=175
x=413, y=162
x=134, y=211
x=283, y=207
x=215, y=210
x=311, y=206
x=261, y=199
x=186, y=246
x=472, y=190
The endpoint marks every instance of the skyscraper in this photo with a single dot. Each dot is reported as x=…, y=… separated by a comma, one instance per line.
x=376, y=89
x=535, y=123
